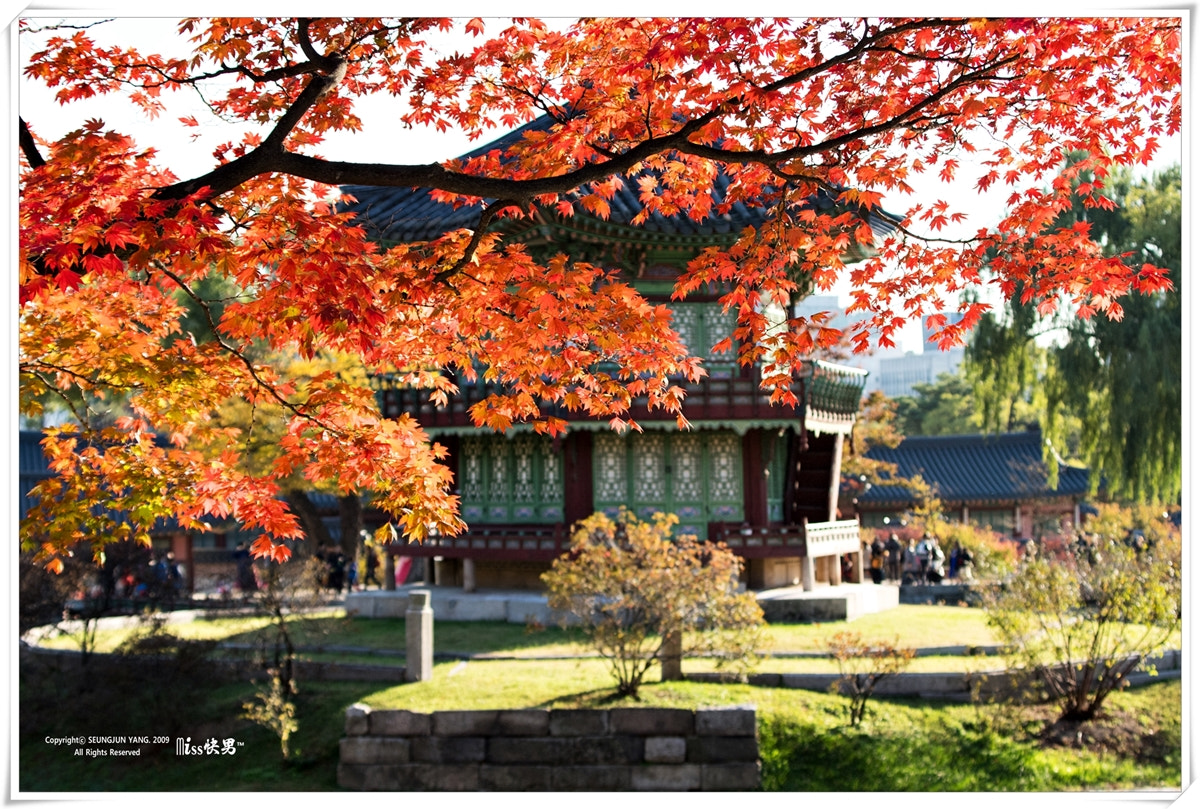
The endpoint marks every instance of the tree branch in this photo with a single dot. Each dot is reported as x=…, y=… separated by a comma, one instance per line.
x=29, y=146
x=485, y=219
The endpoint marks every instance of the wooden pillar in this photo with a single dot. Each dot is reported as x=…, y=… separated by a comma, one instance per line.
x=754, y=479
x=835, y=473
x=468, y=575
x=578, y=502
x=834, y=564
x=389, y=569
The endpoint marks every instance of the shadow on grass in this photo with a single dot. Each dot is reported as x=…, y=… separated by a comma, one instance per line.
x=388, y=635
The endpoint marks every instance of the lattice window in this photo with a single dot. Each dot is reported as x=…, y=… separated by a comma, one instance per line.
x=523, y=485
x=552, y=486
x=703, y=325
x=717, y=326
x=649, y=480
x=725, y=473
x=498, y=490
x=472, y=469
x=687, y=479
x=686, y=320
x=610, y=463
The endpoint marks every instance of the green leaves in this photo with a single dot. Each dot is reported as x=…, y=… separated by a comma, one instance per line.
x=630, y=584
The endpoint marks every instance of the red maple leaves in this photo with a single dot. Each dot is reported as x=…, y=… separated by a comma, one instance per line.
x=702, y=117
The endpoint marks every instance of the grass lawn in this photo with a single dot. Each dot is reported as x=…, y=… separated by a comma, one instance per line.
x=912, y=625
x=905, y=745
x=805, y=743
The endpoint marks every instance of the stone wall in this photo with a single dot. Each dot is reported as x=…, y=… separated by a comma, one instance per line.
x=656, y=749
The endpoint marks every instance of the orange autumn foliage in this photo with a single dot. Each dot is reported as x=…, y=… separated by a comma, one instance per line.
x=111, y=241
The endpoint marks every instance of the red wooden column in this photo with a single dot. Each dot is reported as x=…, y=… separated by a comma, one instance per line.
x=578, y=502
x=754, y=479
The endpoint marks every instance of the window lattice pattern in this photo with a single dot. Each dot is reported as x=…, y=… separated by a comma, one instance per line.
x=552, y=485
x=717, y=326
x=523, y=487
x=724, y=471
x=498, y=490
x=610, y=457
x=687, y=482
x=650, y=480
x=472, y=469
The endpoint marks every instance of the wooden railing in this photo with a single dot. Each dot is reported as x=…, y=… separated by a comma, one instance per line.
x=514, y=542
x=808, y=539
x=833, y=538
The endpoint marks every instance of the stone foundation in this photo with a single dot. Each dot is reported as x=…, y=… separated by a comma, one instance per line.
x=621, y=749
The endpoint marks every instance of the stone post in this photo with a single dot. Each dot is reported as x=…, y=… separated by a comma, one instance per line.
x=389, y=570
x=807, y=574
x=671, y=656
x=418, y=628
x=468, y=575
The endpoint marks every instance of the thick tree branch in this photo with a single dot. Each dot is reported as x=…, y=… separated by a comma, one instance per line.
x=485, y=219
x=29, y=146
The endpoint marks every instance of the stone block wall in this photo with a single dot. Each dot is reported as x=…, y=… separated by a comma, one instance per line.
x=620, y=749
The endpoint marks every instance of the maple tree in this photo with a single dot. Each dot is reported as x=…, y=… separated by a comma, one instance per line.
x=855, y=108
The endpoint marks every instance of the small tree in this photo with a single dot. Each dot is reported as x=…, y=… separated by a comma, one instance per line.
x=288, y=588
x=1084, y=626
x=863, y=666
x=631, y=585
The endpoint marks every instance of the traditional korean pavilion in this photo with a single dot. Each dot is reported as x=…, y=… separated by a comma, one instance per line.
x=993, y=481
x=759, y=476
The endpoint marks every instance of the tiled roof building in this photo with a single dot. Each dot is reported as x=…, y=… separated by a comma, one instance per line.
x=999, y=480
x=751, y=473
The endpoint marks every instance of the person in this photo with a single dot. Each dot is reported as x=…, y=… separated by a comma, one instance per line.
x=935, y=569
x=174, y=574
x=244, y=576
x=912, y=563
x=878, y=552
x=923, y=559
x=337, y=570
x=966, y=565
x=372, y=567
x=895, y=552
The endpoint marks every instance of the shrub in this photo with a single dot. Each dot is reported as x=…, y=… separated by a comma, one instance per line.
x=630, y=585
x=1085, y=625
x=863, y=666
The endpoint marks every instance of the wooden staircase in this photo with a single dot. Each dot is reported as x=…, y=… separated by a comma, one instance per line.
x=810, y=477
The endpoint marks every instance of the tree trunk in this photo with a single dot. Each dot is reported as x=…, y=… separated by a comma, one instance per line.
x=310, y=522
x=351, y=513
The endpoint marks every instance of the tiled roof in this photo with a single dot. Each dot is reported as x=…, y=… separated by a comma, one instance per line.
x=32, y=466
x=974, y=469
x=410, y=214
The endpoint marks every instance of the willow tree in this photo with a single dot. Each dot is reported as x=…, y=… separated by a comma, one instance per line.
x=1117, y=382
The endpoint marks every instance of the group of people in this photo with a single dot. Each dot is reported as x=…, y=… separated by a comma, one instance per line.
x=341, y=571
x=917, y=562
x=160, y=577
